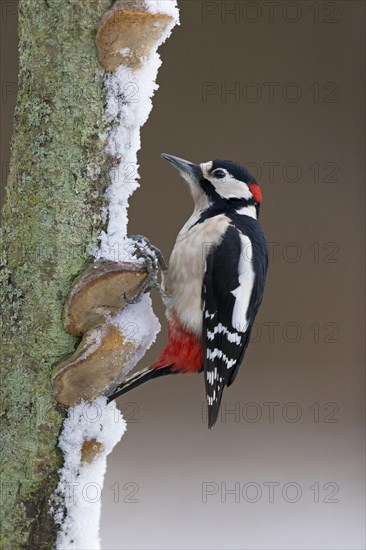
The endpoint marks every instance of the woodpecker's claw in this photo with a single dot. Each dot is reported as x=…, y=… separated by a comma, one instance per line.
x=153, y=261
x=146, y=249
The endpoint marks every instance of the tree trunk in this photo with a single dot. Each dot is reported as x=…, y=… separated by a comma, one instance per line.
x=52, y=215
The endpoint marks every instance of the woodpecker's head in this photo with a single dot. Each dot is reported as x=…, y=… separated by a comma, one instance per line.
x=218, y=182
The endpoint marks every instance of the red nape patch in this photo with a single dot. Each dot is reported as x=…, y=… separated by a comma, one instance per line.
x=183, y=351
x=256, y=192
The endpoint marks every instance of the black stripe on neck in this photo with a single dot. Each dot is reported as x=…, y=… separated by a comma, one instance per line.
x=225, y=206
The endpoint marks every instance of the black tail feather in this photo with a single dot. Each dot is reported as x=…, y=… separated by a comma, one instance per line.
x=139, y=378
x=214, y=409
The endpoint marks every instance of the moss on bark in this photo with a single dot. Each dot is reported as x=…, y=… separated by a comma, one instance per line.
x=51, y=216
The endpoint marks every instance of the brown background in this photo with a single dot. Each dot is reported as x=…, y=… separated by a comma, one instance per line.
x=311, y=368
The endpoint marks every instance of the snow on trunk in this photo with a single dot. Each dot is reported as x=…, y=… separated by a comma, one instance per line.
x=128, y=106
x=79, y=492
x=129, y=103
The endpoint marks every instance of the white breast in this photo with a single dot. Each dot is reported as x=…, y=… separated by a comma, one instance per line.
x=186, y=268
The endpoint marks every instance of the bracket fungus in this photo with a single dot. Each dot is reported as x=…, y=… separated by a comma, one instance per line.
x=120, y=33
x=93, y=369
x=90, y=450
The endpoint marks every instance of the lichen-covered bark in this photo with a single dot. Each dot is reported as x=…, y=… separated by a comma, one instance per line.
x=50, y=218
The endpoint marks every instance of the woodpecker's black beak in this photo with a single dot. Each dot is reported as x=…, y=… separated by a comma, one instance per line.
x=193, y=171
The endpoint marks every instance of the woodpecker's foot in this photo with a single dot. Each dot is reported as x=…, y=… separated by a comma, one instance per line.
x=154, y=261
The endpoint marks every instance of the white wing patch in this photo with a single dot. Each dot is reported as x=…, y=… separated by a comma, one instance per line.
x=248, y=211
x=212, y=376
x=209, y=315
x=212, y=354
x=243, y=293
x=232, y=337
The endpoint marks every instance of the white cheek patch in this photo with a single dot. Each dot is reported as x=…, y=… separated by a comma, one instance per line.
x=230, y=188
x=243, y=293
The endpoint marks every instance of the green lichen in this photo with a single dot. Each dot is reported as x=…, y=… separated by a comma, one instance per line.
x=51, y=217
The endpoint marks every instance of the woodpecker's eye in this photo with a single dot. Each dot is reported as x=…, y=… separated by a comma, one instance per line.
x=219, y=173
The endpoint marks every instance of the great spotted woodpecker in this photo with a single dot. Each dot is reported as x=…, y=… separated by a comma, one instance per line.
x=215, y=280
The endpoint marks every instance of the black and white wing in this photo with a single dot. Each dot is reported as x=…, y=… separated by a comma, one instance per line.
x=232, y=291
